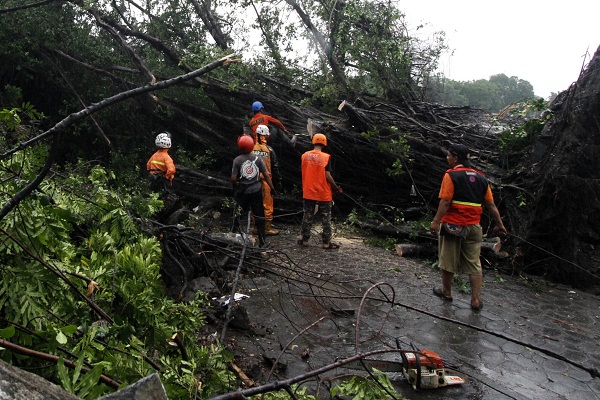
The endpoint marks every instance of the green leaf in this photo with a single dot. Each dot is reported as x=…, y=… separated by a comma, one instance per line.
x=7, y=332
x=63, y=375
x=69, y=329
x=61, y=338
x=89, y=380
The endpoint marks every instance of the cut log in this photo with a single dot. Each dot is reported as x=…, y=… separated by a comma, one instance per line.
x=488, y=245
x=415, y=250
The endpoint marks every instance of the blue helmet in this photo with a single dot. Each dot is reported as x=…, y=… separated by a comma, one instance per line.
x=257, y=106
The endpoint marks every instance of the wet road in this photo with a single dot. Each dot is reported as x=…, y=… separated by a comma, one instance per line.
x=530, y=340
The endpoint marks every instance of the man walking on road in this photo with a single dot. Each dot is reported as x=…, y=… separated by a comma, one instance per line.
x=463, y=195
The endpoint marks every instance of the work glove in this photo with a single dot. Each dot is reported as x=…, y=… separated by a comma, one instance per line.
x=340, y=191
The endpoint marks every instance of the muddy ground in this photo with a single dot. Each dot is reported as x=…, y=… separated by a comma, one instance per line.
x=531, y=340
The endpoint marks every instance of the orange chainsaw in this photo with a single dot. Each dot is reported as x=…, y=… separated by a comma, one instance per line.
x=423, y=369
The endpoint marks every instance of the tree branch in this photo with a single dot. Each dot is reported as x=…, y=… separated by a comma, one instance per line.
x=95, y=107
x=26, y=6
x=15, y=348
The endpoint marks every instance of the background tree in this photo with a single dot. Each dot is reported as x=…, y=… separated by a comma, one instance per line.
x=490, y=95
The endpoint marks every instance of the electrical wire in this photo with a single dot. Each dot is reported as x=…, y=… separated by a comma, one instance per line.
x=554, y=255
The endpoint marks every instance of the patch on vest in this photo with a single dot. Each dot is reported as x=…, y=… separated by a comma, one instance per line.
x=249, y=170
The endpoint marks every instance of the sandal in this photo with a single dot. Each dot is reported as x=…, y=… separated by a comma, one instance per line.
x=302, y=243
x=440, y=293
x=331, y=246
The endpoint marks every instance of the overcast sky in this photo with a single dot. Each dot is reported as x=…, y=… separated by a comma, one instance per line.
x=543, y=42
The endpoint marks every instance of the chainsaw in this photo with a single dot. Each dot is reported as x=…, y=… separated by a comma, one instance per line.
x=423, y=369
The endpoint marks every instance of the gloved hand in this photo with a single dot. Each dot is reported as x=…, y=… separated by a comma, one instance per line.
x=340, y=191
x=273, y=193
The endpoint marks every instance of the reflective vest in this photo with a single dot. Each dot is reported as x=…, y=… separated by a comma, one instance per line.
x=470, y=190
x=314, y=181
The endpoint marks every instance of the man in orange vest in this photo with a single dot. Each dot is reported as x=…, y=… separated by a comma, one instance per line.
x=160, y=165
x=267, y=154
x=318, y=187
x=463, y=195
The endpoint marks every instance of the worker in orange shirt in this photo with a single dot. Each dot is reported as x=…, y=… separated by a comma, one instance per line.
x=269, y=157
x=275, y=126
x=160, y=165
x=318, y=187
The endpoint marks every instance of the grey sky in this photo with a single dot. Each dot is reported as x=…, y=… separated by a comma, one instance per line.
x=543, y=42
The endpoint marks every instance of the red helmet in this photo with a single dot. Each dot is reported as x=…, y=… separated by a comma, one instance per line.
x=245, y=144
x=319, y=138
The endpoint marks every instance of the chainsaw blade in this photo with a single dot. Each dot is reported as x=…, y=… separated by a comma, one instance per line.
x=381, y=365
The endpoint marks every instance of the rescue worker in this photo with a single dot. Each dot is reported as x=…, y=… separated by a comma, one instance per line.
x=269, y=157
x=463, y=195
x=246, y=180
x=275, y=126
x=160, y=165
x=318, y=187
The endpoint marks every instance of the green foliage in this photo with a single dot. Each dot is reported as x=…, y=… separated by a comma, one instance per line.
x=11, y=118
x=398, y=147
x=81, y=225
x=420, y=225
x=492, y=95
x=526, y=120
x=387, y=243
x=463, y=285
x=84, y=386
x=194, y=160
x=375, y=387
x=370, y=38
x=299, y=394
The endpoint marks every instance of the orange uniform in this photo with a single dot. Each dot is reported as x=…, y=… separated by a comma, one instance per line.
x=264, y=119
x=264, y=152
x=314, y=181
x=161, y=164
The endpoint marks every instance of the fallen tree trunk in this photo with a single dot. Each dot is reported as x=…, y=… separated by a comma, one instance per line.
x=488, y=247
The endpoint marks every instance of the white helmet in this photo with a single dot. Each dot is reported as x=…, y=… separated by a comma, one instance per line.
x=163, y=140
x=263, y=130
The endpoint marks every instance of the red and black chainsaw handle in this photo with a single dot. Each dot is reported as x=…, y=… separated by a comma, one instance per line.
x=418, y=355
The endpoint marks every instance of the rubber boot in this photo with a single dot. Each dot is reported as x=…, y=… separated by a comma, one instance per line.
x=270, y=231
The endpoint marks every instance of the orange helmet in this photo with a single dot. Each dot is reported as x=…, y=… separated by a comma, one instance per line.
x=319, y=138
x=245, y=144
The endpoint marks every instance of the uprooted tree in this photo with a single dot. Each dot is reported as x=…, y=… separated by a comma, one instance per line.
x=109, y=76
